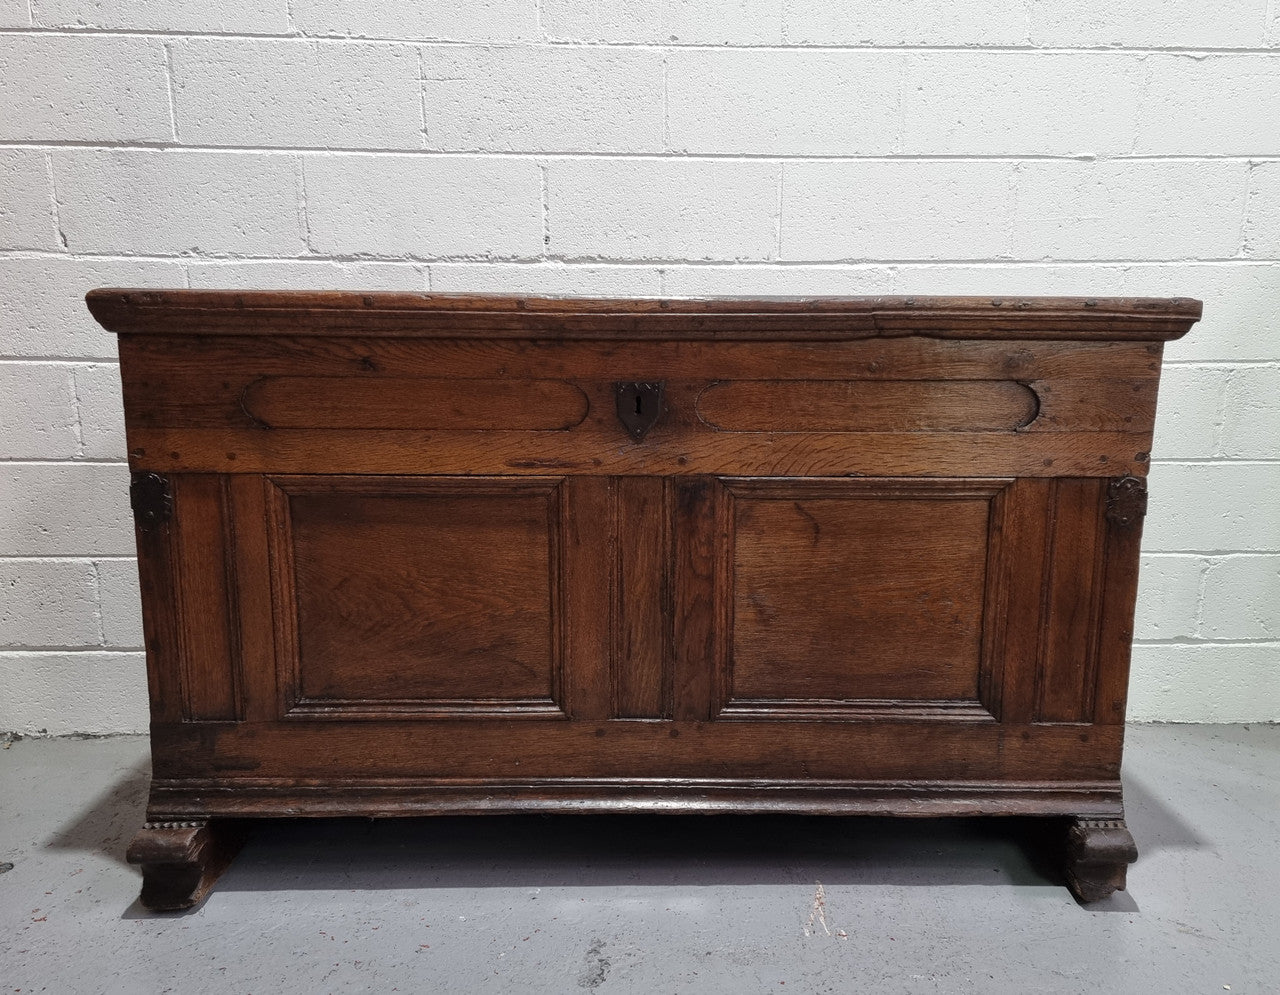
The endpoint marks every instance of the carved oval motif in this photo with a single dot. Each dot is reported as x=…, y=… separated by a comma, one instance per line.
x=414, y=403
x=867, y=405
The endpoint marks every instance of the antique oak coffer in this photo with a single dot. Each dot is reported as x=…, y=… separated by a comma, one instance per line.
x=407, y=554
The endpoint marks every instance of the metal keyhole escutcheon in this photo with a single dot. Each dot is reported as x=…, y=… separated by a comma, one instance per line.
x=639, y=405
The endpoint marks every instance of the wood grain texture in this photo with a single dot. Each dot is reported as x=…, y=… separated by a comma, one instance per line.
x=180, y=380
x=606, y=450
x=413, y=402
x=642, y=612
x=203, y=312
x=205, y=594
x=389, y=798
x=857, y=590
x=867, y=406
x=411, y=595
x=923, y=749
x=874, y=555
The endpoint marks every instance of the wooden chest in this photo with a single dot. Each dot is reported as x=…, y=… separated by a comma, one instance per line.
x=406, y=554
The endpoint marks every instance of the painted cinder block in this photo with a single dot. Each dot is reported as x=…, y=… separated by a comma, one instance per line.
x=48, y=603
x=1195, y=24
x=26, y=202
x=65, y=509
x=174, y=202
x=1242, y=598
x=101, y=410
x=89, y=692
x=227, y=16
x=546, y=279
x=1204, y=683
x=1208, y=507
x=1198, y=104
x=305, y=274
x=908, y=22
x=1262, y=214
x=1251, y=414
x=15, y=14
x=1189, y=412
x=477, y=20
x=297, y=94
x=546, y=99
x=46, y=316
x=1008, y=279
x=1021, y=103
x=787, y=101
x=776, y=281
x=119, y=602
x=1241, y=306
x=1168, y=597
x=671, y=22
x=38, y=416
x=418, y=206
x=1130, y=209
x=85, y=88
x=860, y=210
x=660, y=209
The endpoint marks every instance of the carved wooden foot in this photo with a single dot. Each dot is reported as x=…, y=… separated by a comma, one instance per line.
x=1099, y=852
x=181, y=860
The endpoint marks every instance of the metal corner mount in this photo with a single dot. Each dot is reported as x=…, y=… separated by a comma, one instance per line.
x=151, y=499
x=1126, y=501
x=639, y=405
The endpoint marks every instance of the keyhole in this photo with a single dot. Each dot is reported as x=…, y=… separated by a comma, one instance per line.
x=639, y=401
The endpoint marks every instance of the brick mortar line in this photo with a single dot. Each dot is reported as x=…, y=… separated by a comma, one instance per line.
x=656, y=155
x=603, y=261
x=78, y=650
x=71, y=558
x=336, y=37
x=32, y=461
x=1225, y=643
x=1209, y=555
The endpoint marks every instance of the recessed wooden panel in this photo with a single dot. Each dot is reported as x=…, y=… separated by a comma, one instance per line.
x=210, y=653
x=435, y=595
x=867, y=405
x=642, y=599
x=858, y=591
x=413, y=402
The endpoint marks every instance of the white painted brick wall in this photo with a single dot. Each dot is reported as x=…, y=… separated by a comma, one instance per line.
x=479, y=21
x=230, y=16
x=103, y=88
x=178, y=202
x=26, y=210
x=892, y=209
x=684, y=148
x=534, y=99
x=14, y=14
x=345, y=94
x=672, y=209
x=1192, y=24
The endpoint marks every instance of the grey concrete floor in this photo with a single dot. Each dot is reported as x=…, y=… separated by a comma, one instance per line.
x=765, y=904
